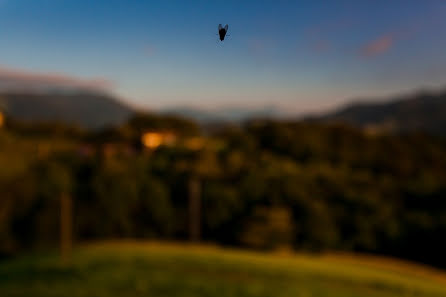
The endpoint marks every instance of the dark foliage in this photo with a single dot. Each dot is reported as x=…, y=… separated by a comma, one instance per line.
x=265, y=185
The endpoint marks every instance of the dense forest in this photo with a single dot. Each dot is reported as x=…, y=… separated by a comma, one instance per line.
x=263, y=185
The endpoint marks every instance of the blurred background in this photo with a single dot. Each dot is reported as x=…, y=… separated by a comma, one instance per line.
x=305, y=155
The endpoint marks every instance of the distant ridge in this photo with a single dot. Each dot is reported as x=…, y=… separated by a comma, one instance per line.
x=424, y=111
x=224, y=115
x=83, y=108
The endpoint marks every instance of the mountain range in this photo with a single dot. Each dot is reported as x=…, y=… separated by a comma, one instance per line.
x=91, y=110
x=224, y=115
x=421, y=111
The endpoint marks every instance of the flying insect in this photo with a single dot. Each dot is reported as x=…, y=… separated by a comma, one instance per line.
x=222, y=31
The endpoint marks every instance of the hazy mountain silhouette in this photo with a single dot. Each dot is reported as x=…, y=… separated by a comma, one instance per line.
x=423, y=111
x=219, y=115
x=83, y=108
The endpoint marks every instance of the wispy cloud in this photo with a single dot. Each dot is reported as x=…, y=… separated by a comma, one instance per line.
x=18, y=78
x=379, y=46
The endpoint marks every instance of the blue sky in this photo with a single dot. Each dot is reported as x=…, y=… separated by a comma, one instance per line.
x=297, y=55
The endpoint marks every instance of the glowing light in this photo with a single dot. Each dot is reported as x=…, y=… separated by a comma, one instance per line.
x=152, y=140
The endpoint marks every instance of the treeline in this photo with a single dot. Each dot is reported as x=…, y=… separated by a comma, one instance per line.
x=264, y=185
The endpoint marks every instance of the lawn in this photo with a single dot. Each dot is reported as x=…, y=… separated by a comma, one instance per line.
x=166, y=269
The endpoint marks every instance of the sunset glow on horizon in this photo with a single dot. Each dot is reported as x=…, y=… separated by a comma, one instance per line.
x=298, y=56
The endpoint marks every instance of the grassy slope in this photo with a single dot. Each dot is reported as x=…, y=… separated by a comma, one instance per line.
x=152, y=269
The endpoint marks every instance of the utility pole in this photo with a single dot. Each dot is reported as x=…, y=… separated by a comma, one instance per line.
x=66, y=227
x=194, y=209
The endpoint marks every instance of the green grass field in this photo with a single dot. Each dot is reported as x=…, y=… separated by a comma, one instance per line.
x=155, y=269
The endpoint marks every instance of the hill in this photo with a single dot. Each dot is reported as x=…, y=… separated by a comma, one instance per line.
x=86, y=109
x=154, y=269
x=423, y=111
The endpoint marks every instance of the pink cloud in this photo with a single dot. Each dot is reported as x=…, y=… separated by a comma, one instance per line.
x=379, y=46
x=23, y=78
x=429, y=20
